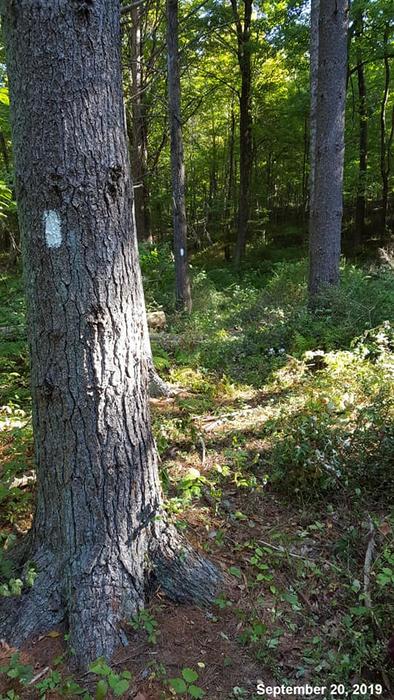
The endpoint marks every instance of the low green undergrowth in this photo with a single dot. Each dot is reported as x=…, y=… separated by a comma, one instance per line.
x=280, y=404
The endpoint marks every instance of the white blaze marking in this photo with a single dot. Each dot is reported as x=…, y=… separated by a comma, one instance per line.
x=182, y=252
x=53, y=234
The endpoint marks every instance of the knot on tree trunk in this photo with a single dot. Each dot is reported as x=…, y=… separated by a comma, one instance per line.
x=83, y=7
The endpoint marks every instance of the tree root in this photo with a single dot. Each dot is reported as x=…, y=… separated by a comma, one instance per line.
x=95, y=604
x=158, y=387
x=36, y=611
x=184, y=574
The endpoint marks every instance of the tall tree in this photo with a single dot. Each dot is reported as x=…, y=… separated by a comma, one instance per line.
x=229, y=195
x=386, y=140
x=363, y=130
x=314, y=65
x=182, y=277
x=245, y=123
x=139, y=134
x=327, y=197
x=99, y=537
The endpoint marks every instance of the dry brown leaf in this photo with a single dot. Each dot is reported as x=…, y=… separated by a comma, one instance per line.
x=384, y=528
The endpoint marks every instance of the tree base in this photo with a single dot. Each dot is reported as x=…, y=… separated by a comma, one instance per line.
x=37, y=610
x=96, y=608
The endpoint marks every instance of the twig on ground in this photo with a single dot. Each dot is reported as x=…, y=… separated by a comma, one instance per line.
x=39, y=675
x=367, y=593
x=283, y=550
x=368, y=563
x=203, y=451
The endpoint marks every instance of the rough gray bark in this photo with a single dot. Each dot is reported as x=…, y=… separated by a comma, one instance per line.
x=327, y=204
x=314, y=63
x=245, y=125
x=99, y=538
x=182, y=277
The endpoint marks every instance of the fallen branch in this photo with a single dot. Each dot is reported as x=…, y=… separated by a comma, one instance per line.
x=368, y=563
x=203, y=451
x=39, y=675
x=367, y=594
x=283, y=550
x=225, y=417
x=127, y=8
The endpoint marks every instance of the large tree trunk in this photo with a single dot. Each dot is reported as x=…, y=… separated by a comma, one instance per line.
x=314, y=65
x=327, y=199
x=182, y=283
x=99, y=537
x=363, y=135
x=245, y=125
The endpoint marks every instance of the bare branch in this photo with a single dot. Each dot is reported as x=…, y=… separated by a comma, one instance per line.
x=127, y=8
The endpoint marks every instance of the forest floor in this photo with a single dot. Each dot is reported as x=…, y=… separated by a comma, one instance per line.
x=276, y=461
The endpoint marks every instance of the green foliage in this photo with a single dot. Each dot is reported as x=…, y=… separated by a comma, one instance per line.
x=10, y=695
x=157, y=267
x=7, y=203
x=18, y=671
x=185, y=684
x=14, y=586
x=118, y=683
x=336, y=426
x=375, y=342
x=145, y=621
x=301, y=409
x=385, y=572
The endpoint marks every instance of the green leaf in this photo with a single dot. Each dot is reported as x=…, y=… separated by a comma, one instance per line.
x=101, y=690
x=359, y=611
x=4, y=96
x=120, y=687
x=189, y=675
x=235, y=571
x=100, y=667
x=127, y=675
x=178, y=684
x=196, y=692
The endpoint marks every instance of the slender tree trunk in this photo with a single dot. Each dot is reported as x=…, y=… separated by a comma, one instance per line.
x=139, y=146
x=314, y=65
x=269, y=179
x=182, y=284
x=213, y=180
x=327, y=197
x=157, y=386
x=99, y=537
x=4, y=152
x=385, y=143
x=229, y=195
x=245, y=125
x=363, y=136
x=304, y=186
